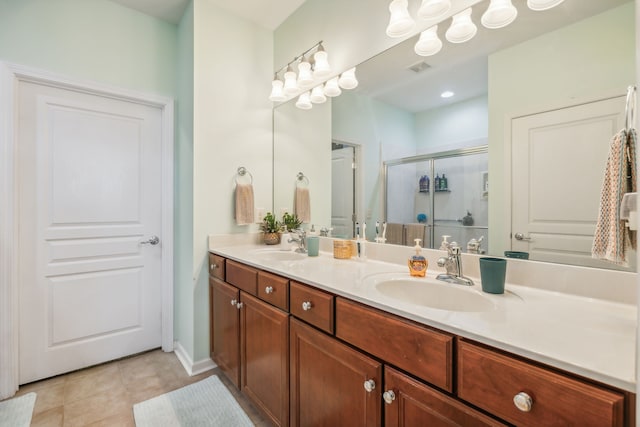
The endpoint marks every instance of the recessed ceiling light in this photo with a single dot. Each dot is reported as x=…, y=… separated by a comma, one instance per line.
x=447, y=94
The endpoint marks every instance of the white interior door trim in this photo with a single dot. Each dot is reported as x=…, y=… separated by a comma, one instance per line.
x=10, y=76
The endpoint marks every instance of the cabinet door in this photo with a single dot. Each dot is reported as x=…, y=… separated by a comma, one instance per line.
x=265, y=357
x=410, y=403
x=225, y=319
x=327, y=382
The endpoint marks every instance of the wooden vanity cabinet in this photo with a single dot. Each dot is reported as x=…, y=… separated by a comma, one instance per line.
x=496, y=382
x=413, y=403
x=327, y=381
x=250, y=340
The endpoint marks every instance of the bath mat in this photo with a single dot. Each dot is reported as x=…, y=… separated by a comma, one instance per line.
x=205, y=403
x=17, y=412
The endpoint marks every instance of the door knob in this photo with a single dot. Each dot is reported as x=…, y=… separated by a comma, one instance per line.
x=389, y=396
x=153, y=240
x=520, y=236
x=369, y=385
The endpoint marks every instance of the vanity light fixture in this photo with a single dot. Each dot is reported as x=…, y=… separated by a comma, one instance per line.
x=305, y=78
x=540, y=5
x=317, y=95
x=348, y=79
x=321, y=67
x=304, y=101
x=290, y=83
x=331, y=88
x=462, y=28
x=499, y=14
x=447, y=94
x=277, y=95
x=434, y=9
x=400, y=22
x=429, y=43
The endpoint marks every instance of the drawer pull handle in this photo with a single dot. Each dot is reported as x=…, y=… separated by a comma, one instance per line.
x=239, y=305
x=389, y=396
x=268, y=290
x=214, y=266
x=369, y=385
x=306, y=306
x=523, y=401
x=234, y=302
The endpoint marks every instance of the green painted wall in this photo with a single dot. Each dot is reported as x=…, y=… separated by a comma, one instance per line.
x=91, y=39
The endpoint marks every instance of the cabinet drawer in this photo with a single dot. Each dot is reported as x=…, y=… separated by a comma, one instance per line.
x=245, y=278
x=424, y=352
x=273, y=289
x=312, y=305
x=216, y=266
x=491, y=380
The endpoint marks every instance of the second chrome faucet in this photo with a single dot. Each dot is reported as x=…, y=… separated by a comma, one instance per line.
x=453, y=264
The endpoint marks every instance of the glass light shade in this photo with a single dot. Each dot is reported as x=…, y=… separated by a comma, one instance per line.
x=277, y=95
x=317, y=95
x=462, y=28
x=321, y=66
x=331, y=88
x=499, y=14
x=540, y=5
x=400, y=22
x=429, y=43
x=305, y=78
x=290, y=84
x=304, y=101
x=433, y=9
x=348, y=79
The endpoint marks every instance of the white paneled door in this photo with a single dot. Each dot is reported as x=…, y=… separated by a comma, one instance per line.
x=89, y=209
x=342, y=191
x=558, y=162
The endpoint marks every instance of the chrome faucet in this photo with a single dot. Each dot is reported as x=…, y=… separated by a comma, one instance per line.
x=453, y=264
x=301, y=240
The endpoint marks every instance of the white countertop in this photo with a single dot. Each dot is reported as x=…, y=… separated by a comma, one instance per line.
x=591, y=337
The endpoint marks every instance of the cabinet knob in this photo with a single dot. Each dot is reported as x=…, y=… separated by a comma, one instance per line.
x=234, y=302
x=268, y=290
x=523, y=401
x=389, y=396
x=306, y=306
x=239, y=305
x=214, y=266
x=369, y=385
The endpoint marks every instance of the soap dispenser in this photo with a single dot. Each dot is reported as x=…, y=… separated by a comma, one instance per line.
x=417, y=263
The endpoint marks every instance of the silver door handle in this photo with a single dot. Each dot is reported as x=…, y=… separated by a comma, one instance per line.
x=520, y=236
x=153, y=240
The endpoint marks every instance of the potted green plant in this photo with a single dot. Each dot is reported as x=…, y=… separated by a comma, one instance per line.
x=271, y=229
x=291, y=221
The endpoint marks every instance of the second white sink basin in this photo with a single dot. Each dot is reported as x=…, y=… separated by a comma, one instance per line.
x=433, y=293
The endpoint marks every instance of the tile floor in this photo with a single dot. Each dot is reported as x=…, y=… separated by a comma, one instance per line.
x=104, y=395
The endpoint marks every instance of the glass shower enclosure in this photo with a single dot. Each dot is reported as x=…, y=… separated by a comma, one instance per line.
x=440, y=194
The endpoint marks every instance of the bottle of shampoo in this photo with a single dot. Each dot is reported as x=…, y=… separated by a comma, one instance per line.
x=417, y=263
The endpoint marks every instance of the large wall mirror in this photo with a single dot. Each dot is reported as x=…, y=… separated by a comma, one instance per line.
x=545, y=94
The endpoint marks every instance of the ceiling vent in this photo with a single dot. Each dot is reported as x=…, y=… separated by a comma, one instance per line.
x=419, y=67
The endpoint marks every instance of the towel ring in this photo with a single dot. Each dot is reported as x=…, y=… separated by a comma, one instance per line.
x=302, y=179
x=242, y=171
x=630, y=108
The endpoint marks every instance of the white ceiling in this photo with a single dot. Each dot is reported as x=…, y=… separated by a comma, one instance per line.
x=267, y=13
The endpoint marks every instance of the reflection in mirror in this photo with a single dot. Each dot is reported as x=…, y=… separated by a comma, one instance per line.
x=577, y=54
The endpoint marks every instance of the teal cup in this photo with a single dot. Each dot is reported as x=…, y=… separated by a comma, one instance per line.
x=492, y=274
x=313, y=245
x=516, y=254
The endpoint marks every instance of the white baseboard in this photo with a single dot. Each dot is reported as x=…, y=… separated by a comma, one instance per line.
x=192, y=368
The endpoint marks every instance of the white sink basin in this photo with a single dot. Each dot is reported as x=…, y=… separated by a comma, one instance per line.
x=432, y=293
x=278, y=255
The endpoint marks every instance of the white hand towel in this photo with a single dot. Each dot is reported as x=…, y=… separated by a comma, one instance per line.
x=612, y=238
x=412, y=232
x=394, y=233
x=244, y=204
x=303, y=204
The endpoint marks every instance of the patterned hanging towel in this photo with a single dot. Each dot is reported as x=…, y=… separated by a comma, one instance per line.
x=612, y=238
